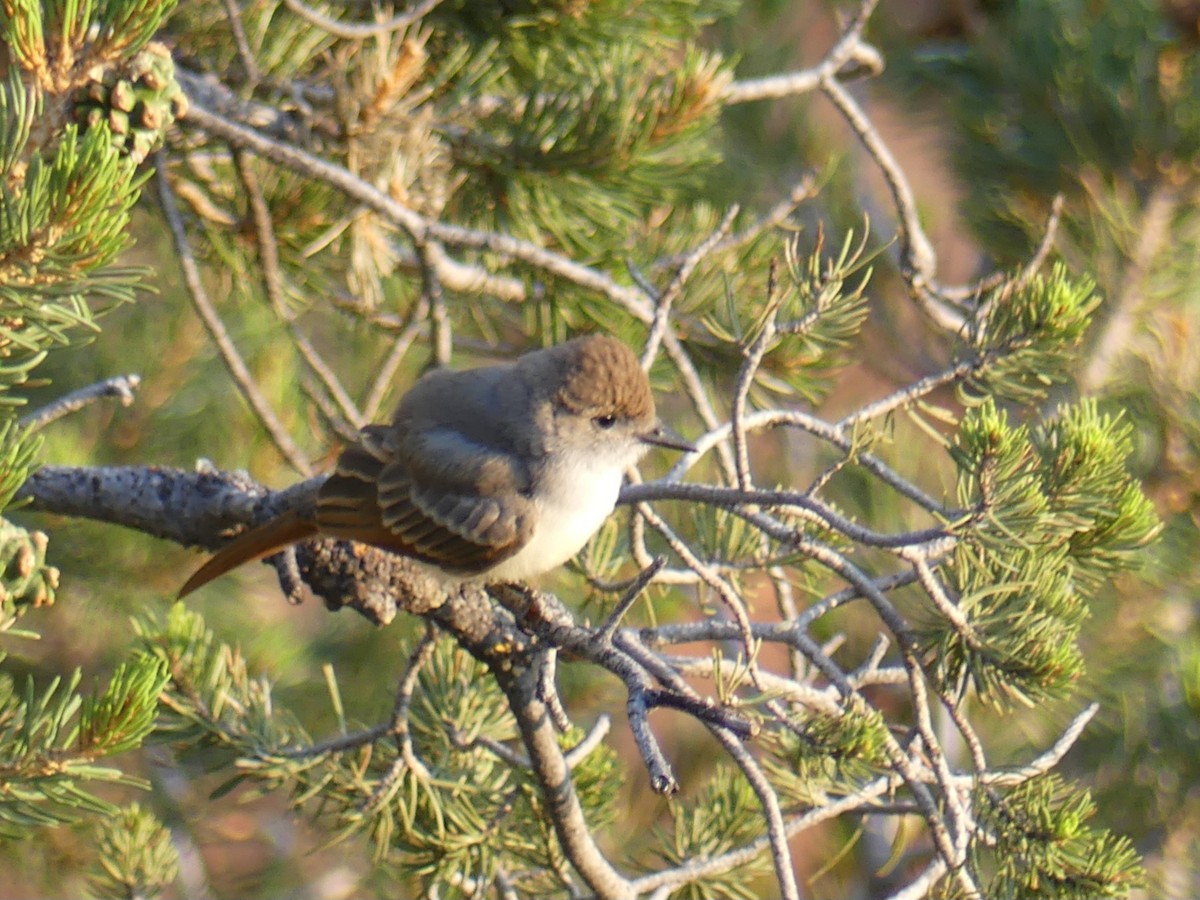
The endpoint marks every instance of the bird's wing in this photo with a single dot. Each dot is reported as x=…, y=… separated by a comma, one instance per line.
x=438, y=499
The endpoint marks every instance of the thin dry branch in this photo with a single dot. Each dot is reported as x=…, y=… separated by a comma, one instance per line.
x=553, y=772
x=230, y=355
x=361, y=31
x=669, y=294
x=849, y=58
x=273, y=281
x=119, y=387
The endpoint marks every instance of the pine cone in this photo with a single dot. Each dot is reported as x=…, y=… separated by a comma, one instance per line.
x=139, y=100
x=25, y=579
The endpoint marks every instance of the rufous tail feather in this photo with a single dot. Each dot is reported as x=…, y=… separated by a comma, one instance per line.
x=268, y=538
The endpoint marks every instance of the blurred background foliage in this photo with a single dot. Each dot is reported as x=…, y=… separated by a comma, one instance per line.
x=991, y=107
x=1101, y=102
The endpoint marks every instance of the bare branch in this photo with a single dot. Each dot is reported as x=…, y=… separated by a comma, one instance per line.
x=382, y=382
x=1048, y=760
x=548, y=690
x=776, y=830
x=590, y=741
x=918, y=262
x=119, y=387
x=273, y=285
x=439, y=319
x=791, y=501
x=746, y=375
x=698, y=869
x=663, y=301
x=848, y=58
x=919, y=887
x=701, y=402
x=804, y=189
x=1032, y=266
x=420, y=228
x=357, y=32
x=245, y=54
x=640, y=583
x=776, y=418
x=216, y=328
x=554, y=774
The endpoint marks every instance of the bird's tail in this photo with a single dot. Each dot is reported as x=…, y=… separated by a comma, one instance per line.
x=265, y=539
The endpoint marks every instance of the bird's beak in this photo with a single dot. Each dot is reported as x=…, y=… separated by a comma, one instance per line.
x=659, y=436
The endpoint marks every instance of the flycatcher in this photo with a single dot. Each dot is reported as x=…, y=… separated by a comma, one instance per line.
x=493, y=474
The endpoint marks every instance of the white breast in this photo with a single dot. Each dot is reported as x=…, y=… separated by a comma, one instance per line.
x=574, y=499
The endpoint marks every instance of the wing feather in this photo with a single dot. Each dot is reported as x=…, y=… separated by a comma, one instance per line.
x=439, y=499
x=452, y=504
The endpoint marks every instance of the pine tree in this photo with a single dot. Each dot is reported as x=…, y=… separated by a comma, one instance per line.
x=1100, y=104
x=84, y=96
x=354, y=193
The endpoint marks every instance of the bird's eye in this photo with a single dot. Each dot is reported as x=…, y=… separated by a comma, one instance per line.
x=605, y=421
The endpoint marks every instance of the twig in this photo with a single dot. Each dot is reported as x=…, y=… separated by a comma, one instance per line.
x=913, y=392
x=698, y=395
x=216, y=328
x=729, y=597
x=120, y=387
x=554, y=775
x=546, y=617
x=891, y=618
x=548, y=690
x=962, y=723
x=1046, y=761
x=238, y=30
x=741, y=391
x=848, y=49
x=605, y=632
x=439, y=319
x=335, y=744
x=781, y=854
x=918, y=262
x=251, y=113
x=733, y=499
x=421, y=654
x=418, y=226
x=663, y=300
x=589, y=742
x=960, y=824
x=919, y=887
x=945, y=604
x=407, y=759
x=391, y=364
x=357, y=32
x=1042, y=252
x=703, y=708
x=273, y=281
x=662, y=778
x=700, y=868
x=202, y=204
x=501, y=751
x=804, y=189
x=457, y=276
x=1032, y=266
x=785, y=601
x=328, y=409
x=789, y=688
x=794, y=418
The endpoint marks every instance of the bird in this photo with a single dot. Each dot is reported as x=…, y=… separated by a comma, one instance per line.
x=493, y=474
